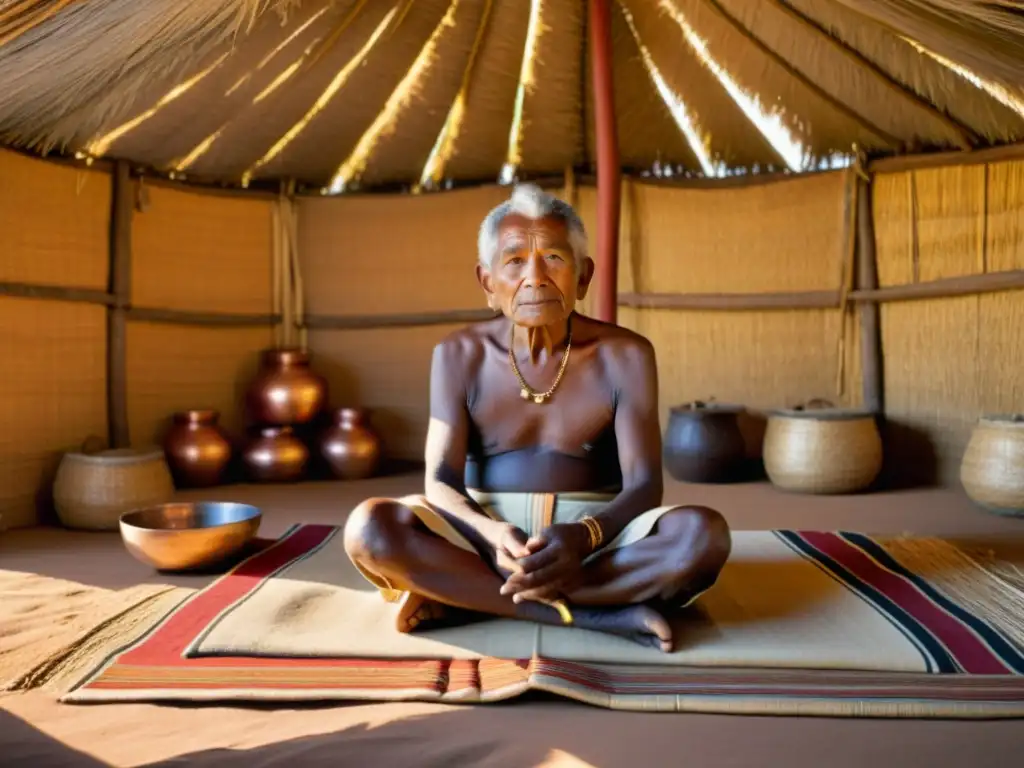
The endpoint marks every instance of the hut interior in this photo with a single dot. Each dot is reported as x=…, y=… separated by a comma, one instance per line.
x=801, y=203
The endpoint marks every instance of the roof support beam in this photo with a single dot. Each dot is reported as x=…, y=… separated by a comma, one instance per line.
x=609, y=179
x=122, y=208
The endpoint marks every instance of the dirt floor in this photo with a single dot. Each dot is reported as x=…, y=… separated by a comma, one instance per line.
x=36, y=731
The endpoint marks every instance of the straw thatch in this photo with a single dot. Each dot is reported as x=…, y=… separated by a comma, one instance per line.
x=345, y=93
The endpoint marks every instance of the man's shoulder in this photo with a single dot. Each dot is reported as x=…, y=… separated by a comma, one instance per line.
x=620, y=341
x=464, y=346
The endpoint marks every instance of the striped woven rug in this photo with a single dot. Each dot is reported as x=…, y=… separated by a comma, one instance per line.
x=800, y=622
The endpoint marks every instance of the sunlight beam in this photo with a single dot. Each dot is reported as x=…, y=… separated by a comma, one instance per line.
x=403, y=93
x=998, y=92
x=184, y=163
x=101, y=145
x=698, y=140
x=328, y=93
x=444, y=147
x=513, y=156
x=280, y=47
x=768, y=122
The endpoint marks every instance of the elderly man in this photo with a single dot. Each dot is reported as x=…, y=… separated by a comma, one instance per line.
x=543, y=454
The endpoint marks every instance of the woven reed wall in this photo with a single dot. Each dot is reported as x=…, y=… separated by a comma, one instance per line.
x=385, y=255
x=202, y=253
x=53, y=231
x=949, y=360
x=785, y=236
x=191, y=252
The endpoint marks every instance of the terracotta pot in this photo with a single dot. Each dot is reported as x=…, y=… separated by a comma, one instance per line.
x=350, y=447
x=703, y=443
x=285, y=391
x=275, y=456
x=992, y=468
x=197, y=449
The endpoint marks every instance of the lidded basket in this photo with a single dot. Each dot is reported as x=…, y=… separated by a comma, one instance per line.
x=92, y=490
x=992, y=468
x=822, y=450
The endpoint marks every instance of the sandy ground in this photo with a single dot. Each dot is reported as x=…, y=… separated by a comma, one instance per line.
x=540, y=731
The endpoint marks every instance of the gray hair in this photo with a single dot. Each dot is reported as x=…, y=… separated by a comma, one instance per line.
x=533, y=202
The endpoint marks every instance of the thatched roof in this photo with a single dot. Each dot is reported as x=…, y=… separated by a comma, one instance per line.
x=366, y=93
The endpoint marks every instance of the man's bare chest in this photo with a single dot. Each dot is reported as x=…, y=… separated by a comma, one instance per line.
x=577, y=413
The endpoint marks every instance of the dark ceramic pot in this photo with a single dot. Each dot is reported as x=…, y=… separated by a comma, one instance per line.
x=703, y=443
x=350, y=448
x=197, y=449
x=275, y=456
x=286, y=391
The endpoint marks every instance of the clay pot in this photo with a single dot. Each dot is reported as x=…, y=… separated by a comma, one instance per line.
x=992, y=469
x=197, y=449
x=285, y=391
x=275, y=456
x=703, y=443
x=349, y=447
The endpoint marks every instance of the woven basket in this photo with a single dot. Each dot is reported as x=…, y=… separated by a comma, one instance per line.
x=992, y=469
x=92, y=490
x=822, y=450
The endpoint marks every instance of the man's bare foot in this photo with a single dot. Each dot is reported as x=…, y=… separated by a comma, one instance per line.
x=414, y=610
x=639, y=623
x=419, y=613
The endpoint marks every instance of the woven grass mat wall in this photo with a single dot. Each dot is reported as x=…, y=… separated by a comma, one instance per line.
x=777, y=237
x=53, y=231
x=384, y=256
x=53, y=223
x=199, y=252
x=947, y=361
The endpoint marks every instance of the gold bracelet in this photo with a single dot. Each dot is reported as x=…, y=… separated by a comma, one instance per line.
x=593, y=530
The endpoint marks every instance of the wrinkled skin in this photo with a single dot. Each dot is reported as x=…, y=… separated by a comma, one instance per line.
x=601, y=423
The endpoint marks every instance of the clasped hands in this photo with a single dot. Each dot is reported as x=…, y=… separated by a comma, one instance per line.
x=542, y=567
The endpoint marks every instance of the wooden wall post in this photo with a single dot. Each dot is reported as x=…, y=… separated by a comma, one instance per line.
x=121, y=209
x=870, y=325
x=609, y=180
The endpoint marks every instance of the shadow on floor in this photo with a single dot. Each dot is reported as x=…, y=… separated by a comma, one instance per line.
x=549, y=732
x=534, y=730
x=24, y=745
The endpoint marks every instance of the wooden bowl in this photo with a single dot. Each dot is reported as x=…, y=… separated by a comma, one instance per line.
x=188, y=535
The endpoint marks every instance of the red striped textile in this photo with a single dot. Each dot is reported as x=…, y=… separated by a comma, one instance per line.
x=154, y=668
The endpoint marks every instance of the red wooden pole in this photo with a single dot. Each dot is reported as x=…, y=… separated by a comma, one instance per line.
x=609, y=180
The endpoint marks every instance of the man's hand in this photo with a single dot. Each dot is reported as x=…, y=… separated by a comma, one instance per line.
x=509, y=548
x=552, y=565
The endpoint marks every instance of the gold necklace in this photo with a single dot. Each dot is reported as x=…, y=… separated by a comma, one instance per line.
x=526, y=392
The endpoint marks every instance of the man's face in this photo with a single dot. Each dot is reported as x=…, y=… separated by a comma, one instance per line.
x=533, y=279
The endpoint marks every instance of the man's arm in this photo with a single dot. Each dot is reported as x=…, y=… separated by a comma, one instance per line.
x=634, y=371
x=447, y=444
